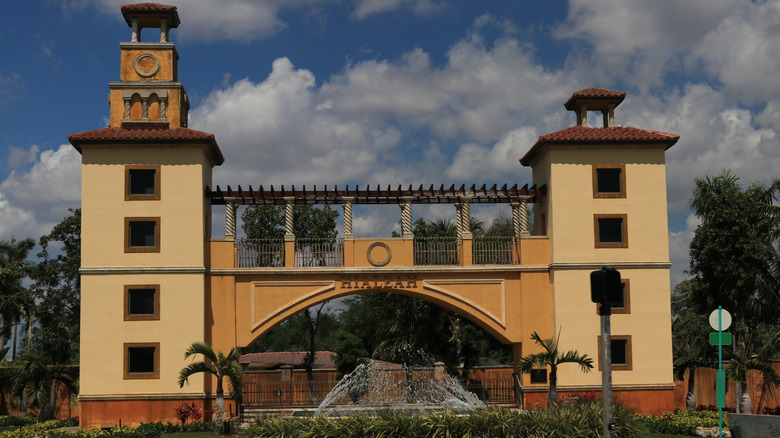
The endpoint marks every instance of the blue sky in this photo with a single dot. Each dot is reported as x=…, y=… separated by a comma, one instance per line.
x=397, y=91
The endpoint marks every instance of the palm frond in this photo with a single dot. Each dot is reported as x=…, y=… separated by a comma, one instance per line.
x=201, y=348
x=194, y=368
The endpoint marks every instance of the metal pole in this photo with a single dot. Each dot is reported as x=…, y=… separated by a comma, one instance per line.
x=720, y=388
x=606, y=370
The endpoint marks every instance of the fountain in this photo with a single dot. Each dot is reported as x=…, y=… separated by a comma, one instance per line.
x=379, y=386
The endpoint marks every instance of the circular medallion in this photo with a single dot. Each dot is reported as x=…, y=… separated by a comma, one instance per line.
x=146, y=65
x=381, y=245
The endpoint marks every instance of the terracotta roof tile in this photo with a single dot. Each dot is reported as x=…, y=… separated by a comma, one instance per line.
x=594, y=94
x=578, y=135
x=145, y=136
x=147, y=9
x=322, y=359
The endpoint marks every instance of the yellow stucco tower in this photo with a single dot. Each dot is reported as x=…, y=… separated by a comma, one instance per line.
x=145, y=233
x=606, y=206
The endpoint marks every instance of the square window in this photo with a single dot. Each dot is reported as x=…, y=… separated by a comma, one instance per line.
x=142, y=302
x=621, y=352
x=142, y=183
x=142, y=360
x=625, y=303
x=539, y=376
x=609, y=180
x=611, y=230
x=142, y=234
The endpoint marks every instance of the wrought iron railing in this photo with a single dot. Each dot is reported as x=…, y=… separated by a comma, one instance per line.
x=260, y=253
x=319, y=252
x=435, y=251
x=286, y=393
x=272, y=394
x=492, y=390
x=492, y=250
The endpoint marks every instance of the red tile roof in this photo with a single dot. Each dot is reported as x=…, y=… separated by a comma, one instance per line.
x=579, y=135
x=146, y=136
x=591, y=94
x=151, y=9
x=322, y=359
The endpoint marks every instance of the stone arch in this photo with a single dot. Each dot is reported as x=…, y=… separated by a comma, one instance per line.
x=491, y=323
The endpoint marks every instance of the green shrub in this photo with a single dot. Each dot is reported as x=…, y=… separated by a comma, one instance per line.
x=681, y=422
x=11, y=421
x=581, y=420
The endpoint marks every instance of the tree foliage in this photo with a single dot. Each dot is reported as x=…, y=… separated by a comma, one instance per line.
x=552, y=357
x=309, y=222
x=57, y=290
x=219, y=365
x=735, y=264
x=35, y=381
x=15, y=299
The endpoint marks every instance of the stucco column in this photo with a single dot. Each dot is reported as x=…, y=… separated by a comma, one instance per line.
x=127, y=101
x=230, y=219
x=524, y=217
x=346, y=204
x=145, y=106
x=459, y=221
x=515, y=218
x=163, y=109
x=406, y=218
x=582, y=115
x=289, y=233
x=465, y=217
x=163, y=30
x=609, y=116
x=135, y=36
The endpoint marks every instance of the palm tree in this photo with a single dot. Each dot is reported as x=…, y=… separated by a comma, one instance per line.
x=217, y=364
x=552, y=357
x=741, y=360
x=14, y=267
x=35, y=382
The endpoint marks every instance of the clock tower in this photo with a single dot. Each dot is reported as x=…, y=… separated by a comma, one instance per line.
x=145, y=236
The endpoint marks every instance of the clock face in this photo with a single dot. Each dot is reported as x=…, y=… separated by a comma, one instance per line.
x=146, y=65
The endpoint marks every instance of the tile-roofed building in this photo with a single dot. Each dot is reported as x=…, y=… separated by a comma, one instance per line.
x=274, y=360
x=605, y=101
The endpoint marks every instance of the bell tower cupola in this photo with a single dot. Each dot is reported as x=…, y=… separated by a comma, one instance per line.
x=148, y=95
x=595, y=99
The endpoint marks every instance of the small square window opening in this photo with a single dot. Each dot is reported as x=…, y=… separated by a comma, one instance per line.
x=142, y=360
x=142, y=302
x=142, y=183
x=142, y=234
x=611, y=231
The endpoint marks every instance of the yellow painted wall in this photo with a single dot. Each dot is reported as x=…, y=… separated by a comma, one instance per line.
x=572, y=205
x=104, y=331
x=183, y=175
x=649, y=325
x=568, y=213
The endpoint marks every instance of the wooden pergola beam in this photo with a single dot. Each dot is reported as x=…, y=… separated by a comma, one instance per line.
x=421, y=195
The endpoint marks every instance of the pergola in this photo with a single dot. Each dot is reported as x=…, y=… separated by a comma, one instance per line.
x=461, y=197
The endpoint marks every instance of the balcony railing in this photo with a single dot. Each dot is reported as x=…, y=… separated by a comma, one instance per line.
x=262, y=253
x=270, y=253
x=435, y=251
x=492, y=250
x=319, y=252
